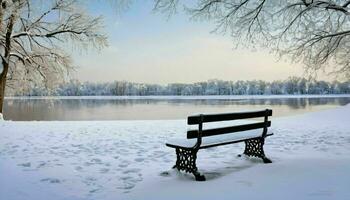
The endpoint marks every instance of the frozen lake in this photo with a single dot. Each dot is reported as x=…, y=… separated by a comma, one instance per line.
x=150, y=108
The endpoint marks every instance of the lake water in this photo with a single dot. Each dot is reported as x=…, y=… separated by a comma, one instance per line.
x=23, y=109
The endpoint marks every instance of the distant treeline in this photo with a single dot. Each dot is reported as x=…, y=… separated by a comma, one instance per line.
x=292, y=85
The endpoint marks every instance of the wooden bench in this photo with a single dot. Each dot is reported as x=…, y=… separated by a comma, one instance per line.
x=252, y=133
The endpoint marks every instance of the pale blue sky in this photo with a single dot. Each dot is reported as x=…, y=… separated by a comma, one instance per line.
x=147, y=47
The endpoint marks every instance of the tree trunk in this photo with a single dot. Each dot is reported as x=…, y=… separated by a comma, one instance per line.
x=2, y=90
x=5, y=59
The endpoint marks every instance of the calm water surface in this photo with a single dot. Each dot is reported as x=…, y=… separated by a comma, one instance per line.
x=148, y=109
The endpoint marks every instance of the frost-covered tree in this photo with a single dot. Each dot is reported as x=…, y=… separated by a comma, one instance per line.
x=292, y=85
x=315, y=32
x=33, y=38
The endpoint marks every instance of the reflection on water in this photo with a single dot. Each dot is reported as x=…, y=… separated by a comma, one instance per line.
x=138, y=109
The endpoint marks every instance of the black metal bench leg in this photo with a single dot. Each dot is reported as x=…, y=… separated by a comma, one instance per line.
x=186, y=161
x=254, y=147
x=266, y=160
x=198, y=176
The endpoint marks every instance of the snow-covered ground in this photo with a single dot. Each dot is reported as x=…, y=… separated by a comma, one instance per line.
x=128, y=160
x=233, y=97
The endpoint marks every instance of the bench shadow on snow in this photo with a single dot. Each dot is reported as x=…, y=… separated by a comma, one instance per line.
x=241, y=163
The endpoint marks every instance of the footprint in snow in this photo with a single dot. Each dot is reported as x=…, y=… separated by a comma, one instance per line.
x=51, y=180
x=124, y=164
x=126, y=186
x=78, y=168
x=134, y=170
x=139, y=159
x=42, y=164
x=94, y=190
x=104, y=170
x=27, y=164
x=96, y=160
x=165, y=174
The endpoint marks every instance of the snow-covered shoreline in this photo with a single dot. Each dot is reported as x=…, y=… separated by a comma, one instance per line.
x=223, y=97
x=105, y=160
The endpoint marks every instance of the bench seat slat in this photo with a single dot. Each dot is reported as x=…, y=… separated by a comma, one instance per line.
x=216, y=140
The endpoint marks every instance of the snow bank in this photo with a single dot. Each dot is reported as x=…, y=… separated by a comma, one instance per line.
x=128, y=160
x=204, y=97
x=1, y=117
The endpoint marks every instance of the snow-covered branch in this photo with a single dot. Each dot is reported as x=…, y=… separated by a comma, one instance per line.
x=286, y=27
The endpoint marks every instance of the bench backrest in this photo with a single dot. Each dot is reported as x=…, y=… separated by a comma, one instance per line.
x=200, y=119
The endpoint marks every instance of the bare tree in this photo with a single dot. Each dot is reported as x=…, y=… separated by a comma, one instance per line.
x=314, y=32
x=33, y=36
